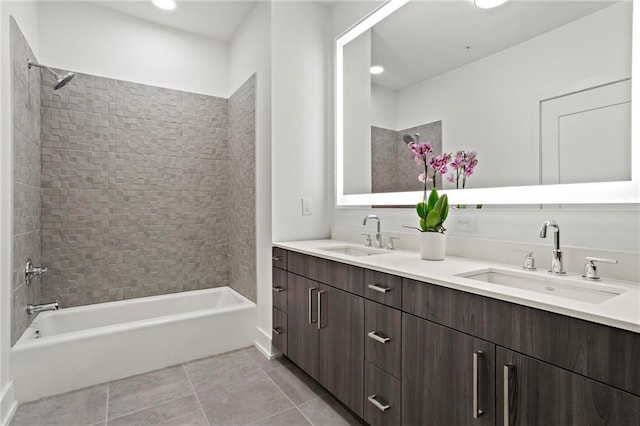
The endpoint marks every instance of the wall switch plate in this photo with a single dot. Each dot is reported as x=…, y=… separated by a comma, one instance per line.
x=465, y=224
x=306, y=207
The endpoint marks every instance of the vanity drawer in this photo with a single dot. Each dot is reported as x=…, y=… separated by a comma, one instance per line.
x=382, y=404
x=383, y=288
x=345, y=277
x=279, y=258
x=383, y=345
x=279, y=331
x=279, y=288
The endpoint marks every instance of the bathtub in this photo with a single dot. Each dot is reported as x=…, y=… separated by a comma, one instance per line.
x=87, y=345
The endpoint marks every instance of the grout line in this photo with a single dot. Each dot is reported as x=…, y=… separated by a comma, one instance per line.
x=287, y=396
x=149, y=407
x=272, y=415
x=196, y=394
x=106, y=414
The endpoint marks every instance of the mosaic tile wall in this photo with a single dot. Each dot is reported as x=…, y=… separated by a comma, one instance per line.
x=135, y=190
x=242, y=200
x=27, y=225
x=393, y=167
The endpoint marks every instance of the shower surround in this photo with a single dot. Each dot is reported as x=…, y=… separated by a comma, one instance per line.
x=139, y=191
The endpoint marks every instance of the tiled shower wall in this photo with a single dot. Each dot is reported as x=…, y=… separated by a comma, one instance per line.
x=135, y=190
x=242, y=172
x=393, y=167
x=26, y=178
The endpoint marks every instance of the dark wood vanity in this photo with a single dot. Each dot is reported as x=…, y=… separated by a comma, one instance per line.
x=399, y=351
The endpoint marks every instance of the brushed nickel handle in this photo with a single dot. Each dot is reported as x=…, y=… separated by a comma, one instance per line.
x=477, y=412
x=278, y=289
x=379, y=288
x=378, y=338
x=320, y=309
x=311, y=320
x=505, y=392
x=276, y=258
x=277, y=330
x=382, y=407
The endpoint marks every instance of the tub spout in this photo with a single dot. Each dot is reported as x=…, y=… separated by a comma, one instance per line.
x=34, y=309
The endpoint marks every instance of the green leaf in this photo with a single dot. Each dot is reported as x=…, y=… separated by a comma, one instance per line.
x=423, y=225
x=433, y=199
x=442, y=206
x=421, y=208
x=433, y=221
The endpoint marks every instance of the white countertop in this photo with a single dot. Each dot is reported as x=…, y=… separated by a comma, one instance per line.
x=621, y=311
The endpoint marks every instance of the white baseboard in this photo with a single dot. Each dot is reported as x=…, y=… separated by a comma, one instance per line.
x=8, y=404
x=263, y=344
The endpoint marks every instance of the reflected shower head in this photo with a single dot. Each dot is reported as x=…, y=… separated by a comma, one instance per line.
x=408, y=138
x=61, y=80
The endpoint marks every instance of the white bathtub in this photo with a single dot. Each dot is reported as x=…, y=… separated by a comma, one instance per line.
x=92, y=344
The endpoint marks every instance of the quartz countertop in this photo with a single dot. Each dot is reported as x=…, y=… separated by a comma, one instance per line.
x=622, y=311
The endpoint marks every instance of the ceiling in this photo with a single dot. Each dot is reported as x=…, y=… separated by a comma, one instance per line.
x=211, y=18
x=427, y=38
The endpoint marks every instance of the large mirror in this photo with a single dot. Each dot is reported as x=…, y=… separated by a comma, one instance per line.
x=539, y=91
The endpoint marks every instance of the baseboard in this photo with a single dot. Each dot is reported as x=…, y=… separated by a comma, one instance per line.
x=263, y=344
x=8, y=404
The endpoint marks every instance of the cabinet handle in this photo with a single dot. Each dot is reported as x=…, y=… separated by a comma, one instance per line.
x=379, y=288
x=382, y=407
x=320, y=309
x=277, y=330
x=311, y=320
x=477, y=412
x=278, y=289
x=378, y=338
x=506, y=388
x=276, y=258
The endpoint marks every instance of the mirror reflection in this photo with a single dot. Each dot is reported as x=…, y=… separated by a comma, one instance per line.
x=539, y=91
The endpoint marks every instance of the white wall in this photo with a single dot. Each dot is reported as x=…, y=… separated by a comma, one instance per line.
x=82, y=37
x=301, y=142
x=250, y=52
x=496, y=113
x=384, y=107
x=25, y=14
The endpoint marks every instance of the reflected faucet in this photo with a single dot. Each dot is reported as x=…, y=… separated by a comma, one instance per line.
x=34, y=309
x=556, y=253
x=378, y=234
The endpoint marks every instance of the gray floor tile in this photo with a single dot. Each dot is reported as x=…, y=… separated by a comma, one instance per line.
x=326, y=411
x=221, y=369
x=179, y=412
x=147, y=390
x=265, y=363
x=291, y=417
x=243, y=402
x=79, y=408
x=296, y=384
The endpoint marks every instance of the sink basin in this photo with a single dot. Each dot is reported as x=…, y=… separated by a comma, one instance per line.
x=565, y=287
x=355, y=251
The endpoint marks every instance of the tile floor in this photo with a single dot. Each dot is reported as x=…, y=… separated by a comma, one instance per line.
x=236, y=388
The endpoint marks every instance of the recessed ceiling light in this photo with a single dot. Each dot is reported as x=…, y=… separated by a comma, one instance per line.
x=165, y=4
x=376, y=69
x=488, y=4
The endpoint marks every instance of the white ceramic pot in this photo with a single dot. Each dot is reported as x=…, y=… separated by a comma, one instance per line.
x=432, y=245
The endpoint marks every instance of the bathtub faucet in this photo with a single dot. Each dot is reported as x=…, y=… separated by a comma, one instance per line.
x=34, y=309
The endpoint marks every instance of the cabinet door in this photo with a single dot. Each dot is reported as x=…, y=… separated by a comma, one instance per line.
x=302, y=316
x=531, y=392
x=341, y=317
x=442, y=381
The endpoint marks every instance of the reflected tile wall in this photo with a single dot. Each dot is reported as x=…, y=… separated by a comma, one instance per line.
x=27, y=224
x=136, y=189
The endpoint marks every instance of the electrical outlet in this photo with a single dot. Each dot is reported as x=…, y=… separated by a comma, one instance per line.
x=465, y=224
x=306, y=207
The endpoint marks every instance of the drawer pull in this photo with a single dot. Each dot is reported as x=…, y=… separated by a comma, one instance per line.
x=276, y=258
x=477, y=412
x=320, y=325
x=382, y=407
x=311, y=320
x=379, y=288
x=378, y=338
x=277, y=330
x=278, y=289
x=506, y=392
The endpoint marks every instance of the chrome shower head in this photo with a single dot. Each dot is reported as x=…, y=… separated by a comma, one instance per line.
x=408, y=138
x=61, y=80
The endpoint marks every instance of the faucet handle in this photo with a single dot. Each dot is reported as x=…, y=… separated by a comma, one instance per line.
x=590, y=269
x=367, y=242
x=529, y=261
x=390, y=244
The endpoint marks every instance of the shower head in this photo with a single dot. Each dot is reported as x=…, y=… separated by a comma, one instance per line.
x=61, y=80
x=408, y=138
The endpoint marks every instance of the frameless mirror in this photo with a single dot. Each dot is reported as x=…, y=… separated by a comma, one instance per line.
x=540, y=90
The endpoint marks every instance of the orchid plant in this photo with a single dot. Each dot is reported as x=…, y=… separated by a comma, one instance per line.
x=463, y=165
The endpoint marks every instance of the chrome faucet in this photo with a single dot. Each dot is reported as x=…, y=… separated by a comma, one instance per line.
x=34, y=309
x=556, y=253
x=31, y=271
x=378, y=234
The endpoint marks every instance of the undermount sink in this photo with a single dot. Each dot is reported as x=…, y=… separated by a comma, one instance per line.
x=565, y=287
x=355, y=251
